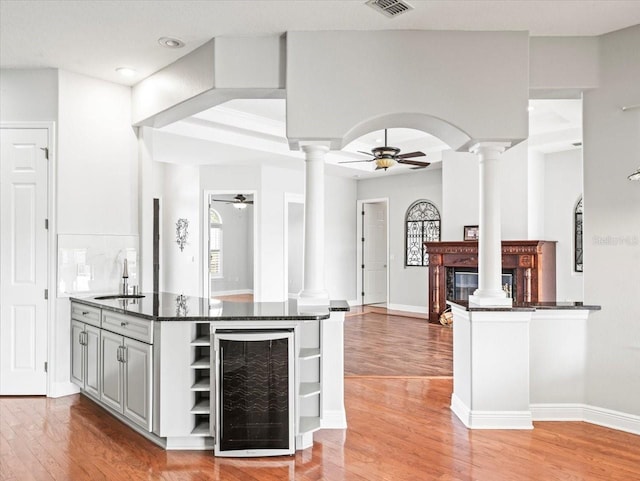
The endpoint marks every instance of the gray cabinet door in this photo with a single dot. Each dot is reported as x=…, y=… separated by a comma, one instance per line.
x=92, y=361
x=137, y=390
x=111, y=379
x=77, y=353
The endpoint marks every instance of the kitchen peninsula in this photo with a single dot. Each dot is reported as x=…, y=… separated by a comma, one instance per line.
x=157, y=362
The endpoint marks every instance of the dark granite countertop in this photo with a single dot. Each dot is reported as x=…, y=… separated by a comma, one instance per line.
x=165, y=306
x=529, y=306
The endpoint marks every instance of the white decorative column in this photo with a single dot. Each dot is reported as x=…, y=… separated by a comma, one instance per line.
x=489, y=292
x=313, y=290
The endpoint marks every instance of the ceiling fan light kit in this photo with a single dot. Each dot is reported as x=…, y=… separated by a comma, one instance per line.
x=387, y=156
x=239, y=201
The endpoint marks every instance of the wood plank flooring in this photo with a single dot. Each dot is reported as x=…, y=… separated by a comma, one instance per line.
x=400, y=429
x=377, y=343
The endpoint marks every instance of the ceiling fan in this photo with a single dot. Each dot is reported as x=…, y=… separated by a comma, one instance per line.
x=239, y=201
x=387, y=156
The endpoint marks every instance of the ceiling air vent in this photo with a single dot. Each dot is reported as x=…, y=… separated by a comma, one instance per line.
x=391, y=8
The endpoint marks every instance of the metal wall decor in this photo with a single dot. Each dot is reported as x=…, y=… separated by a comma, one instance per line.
x=577, y=237
x=422, y=225
x=182, y=232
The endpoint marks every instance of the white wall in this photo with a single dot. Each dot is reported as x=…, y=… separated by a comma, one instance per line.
x=536, y=195
x=408, y=285
x=460, y=180
x=612, y=225
x=97, y=158
x=562, y=189
x=180, y=271
x=459, y=77
x=28, y=94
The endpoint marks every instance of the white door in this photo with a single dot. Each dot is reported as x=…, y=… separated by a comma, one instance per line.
x=23, y=261
x=374, y=253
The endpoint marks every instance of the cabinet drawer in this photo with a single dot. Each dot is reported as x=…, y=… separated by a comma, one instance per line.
x=128, y=326
x=84, y=313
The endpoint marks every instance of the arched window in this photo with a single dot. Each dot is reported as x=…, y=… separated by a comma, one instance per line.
x=215, y=244
x=577, y=237
x=422, y=225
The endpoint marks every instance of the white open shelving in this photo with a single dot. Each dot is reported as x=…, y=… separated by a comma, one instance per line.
x=201, y=386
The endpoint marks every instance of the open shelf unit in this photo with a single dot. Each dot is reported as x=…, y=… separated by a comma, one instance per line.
x=201, y=385
x=309, y=377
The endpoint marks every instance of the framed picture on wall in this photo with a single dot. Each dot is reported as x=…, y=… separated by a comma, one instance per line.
x=470, y=233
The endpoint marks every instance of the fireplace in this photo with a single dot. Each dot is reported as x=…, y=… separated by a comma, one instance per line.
x=254, y=393
x=463, y=281
x=528, y=270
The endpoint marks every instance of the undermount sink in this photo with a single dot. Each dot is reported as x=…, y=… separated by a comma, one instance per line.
x=120, y=296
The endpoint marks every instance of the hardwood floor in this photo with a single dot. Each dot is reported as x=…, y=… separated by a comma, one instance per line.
x=400, y=428
x=377, y=343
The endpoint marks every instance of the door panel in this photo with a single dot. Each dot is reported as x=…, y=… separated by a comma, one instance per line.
x=374, y=255
x=23, y=261
x=111, y=382
x=92, y=361
x=77, y=353
x=137, y=404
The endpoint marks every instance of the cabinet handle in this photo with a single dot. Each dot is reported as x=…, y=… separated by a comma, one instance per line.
x=84, y=313
x=124, y=324
x=124, y=353
x=81, y=338
x=85, y=338
x=118, y=354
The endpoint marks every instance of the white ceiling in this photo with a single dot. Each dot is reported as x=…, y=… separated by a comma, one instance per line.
x=94, y=37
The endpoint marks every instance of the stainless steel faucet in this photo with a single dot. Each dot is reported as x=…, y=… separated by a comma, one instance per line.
x=125, y=279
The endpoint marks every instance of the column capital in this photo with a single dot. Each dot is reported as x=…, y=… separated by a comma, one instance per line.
x=313, y=146
x=483, y=148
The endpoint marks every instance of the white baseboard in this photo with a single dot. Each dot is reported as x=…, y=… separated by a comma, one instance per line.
x=232, y=293
x=591, y=414
x=490, y=419
x=408, y=308
x=333, y=420
x=60, y=389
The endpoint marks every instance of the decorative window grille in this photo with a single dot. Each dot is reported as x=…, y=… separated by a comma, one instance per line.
x=215, y=243
x=422, y=225
x=577, y=236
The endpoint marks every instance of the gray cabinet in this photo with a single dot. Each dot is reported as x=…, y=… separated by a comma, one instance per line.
x=85, y=357
x=126, y=377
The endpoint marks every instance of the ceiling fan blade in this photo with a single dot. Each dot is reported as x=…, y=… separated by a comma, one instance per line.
x=352, y=161
x=248, y=202
x=414, y=162
x=411, y=154
x=226, y=201
x=363, y=152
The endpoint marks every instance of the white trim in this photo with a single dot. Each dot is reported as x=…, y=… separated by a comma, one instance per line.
x=408, y=308
x=490, y=419
x=333, y=420
x=52, y=248
x=590, y=414
x=60, y=389
x=232, y=292
x=359, y=234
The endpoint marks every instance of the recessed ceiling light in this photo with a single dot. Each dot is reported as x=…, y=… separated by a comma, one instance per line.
x=169, y=42
x=126, y=71
x=531, y=108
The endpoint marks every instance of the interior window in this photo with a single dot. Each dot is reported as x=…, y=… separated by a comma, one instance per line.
x=422, y=224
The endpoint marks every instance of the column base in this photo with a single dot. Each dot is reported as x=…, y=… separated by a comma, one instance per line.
x=310, y=297
x=483, y=300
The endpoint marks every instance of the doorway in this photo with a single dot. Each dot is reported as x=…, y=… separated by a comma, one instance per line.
x=293, y=245
x=229, y=241
x=373, y=253
x=24, y=260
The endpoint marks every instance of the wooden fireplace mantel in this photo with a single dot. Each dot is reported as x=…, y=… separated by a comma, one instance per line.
x=533, y=263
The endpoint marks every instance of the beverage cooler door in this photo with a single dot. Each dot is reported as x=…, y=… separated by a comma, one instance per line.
x=254, y=393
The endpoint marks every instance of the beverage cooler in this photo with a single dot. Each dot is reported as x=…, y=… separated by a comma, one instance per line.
x=253, y=379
